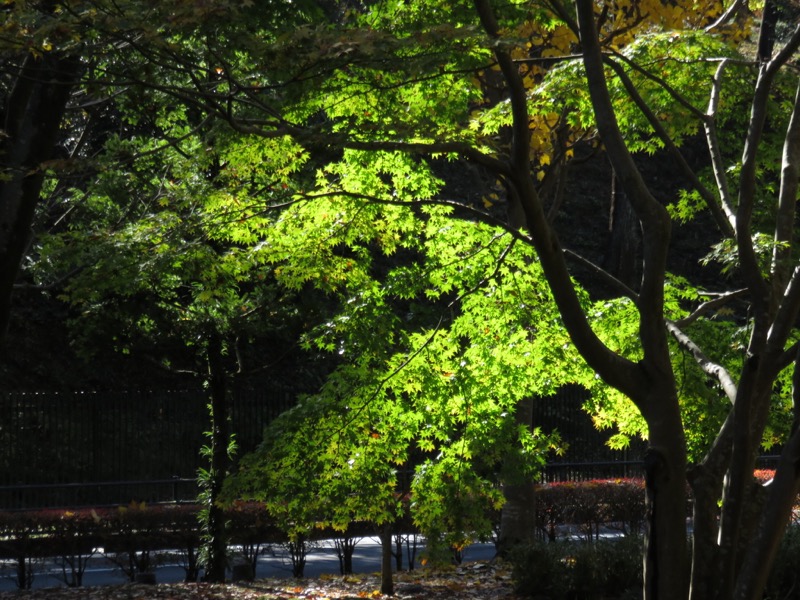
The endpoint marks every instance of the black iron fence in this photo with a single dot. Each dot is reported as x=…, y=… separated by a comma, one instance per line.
x=87, y=447
x=101, y=448
x=98, y=494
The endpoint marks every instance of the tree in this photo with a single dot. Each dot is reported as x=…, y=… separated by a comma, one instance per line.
x=418, y=407
x=392, y=91
x=36, y=83
x=438, y=124
x=168, y=275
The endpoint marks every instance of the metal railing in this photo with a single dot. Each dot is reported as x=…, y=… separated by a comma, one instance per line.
x=97, y=494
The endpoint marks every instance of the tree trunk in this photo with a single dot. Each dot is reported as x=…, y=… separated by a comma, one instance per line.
x=518, y=515
x=665, y=560
x=215, y=534
x=387, y=581
x=706, y=480
x=33, y=113
x=623, y=259
x=775, y=516
x=707, y=490
x=777, y=510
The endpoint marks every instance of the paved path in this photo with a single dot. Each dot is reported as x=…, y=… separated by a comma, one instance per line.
x=274, y=563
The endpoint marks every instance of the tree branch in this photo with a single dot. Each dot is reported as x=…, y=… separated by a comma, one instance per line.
x=652, y=215
x=786, y=316
x=712, y=141
x=711, y=201
x=618, y=371
x=725, y=17
x=708, y=367
x=621, y=288
x=710, y=305
x=787, y=201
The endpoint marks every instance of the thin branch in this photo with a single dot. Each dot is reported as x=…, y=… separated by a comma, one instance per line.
x=662, y=83
x=750, y=269
x=473, y=212
x=786, y=53
x=428, y=341
x=560, y=10
x=49, y=286
x=618, y=285
x=168, y=369
x=708, y=306
x=789, y=356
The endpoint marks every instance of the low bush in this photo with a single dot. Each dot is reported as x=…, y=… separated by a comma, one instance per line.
x=610, y=568
x=784, y=582
x=586, y=505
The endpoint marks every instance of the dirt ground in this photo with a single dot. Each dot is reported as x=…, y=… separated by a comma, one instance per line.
x=466, y=582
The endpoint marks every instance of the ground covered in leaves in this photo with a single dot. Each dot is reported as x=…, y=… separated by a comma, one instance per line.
x=468, y=581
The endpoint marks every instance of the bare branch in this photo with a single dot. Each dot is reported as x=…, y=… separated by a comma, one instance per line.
x=787, y=201
x=677, y=96
x=621, y=288
x=709, y=367
x=786, y=316
x=786, y=53
x=708, y=306
x=651, y=214
x=725, y=17
x=711, y=201
x=750, y=269
x=712, y=141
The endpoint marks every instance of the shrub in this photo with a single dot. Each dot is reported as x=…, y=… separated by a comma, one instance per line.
x=560, y=570
x=540, y=569
x=588, y=504
x=784, y=581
